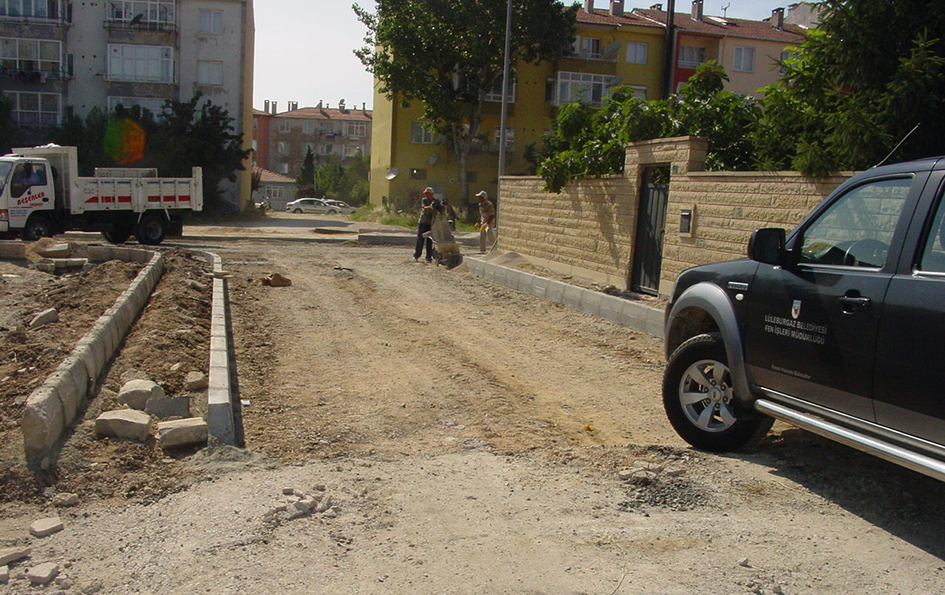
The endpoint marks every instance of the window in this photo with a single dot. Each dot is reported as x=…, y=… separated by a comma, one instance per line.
x=283, y=125
x=308, y=127
x=785, y=56
x=585, y=87
x=355, y=128
x=147, y=11
x=933, y=256
x=31, y=55
x=325, y=149
x=140, y=63
x=691, y=56
x=282, y=147
x=419, y=133
x=590, y=48
x=857, y=229
x=209, y=73
x=211, y=21
x=275, y=192
x=352, y=151
x=636, y=52
x=639, y=92
x=284, y=167
x=495, y=93
x=744, y=60
x=153, y=104
x=36, y=109
x=309, y=147
x=33, y=9
x=509, y=138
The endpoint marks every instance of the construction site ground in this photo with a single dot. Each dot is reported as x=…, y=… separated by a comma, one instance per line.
x=452, y=436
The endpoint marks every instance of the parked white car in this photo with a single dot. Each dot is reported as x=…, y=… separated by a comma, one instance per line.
x=311, y=205
x=342, y=206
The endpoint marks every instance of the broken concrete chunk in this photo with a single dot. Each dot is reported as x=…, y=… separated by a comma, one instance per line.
x=54, y=251
x=195, y=285
x=136, y=393
x=124, y=424
x=65, y=499
x=276, y=280
x=45, y=317
x=182, y=432
x=12, y=554
x=168, y=407
x=196, y=381
x=46, y=527
x=4, y=575
x=43, y=573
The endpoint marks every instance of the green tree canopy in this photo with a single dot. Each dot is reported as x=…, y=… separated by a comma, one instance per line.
x=586, y=141
x=449, y=55
x=860, y=82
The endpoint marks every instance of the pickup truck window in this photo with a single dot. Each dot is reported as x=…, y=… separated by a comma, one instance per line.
x=933, y=256
x=5, y=167
x=857, y=228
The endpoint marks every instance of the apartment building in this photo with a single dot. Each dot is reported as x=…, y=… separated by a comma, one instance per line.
x=748, y=50
x=281, y=140
x=64, y=57
x=612, y=47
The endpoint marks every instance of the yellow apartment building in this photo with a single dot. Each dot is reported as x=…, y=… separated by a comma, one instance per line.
x=612, y=47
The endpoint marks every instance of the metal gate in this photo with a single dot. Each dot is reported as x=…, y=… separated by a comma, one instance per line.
x=651, y=226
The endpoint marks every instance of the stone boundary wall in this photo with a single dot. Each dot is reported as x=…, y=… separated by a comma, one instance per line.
x=54, y=405
x=727, y=207
x=586, y=230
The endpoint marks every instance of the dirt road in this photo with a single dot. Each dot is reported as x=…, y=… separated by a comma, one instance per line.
x=455, y=436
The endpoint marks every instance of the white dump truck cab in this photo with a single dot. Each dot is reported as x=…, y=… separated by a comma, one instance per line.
x=26, y=185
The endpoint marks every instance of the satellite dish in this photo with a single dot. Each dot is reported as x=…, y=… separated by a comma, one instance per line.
x=392, y=173
x=611, y=49
x=432, y=159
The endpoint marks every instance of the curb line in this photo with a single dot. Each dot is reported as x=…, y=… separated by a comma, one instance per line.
x=639, y=317
x=221, y=421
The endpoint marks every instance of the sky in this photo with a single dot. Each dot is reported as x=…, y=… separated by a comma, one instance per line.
x=304, y=48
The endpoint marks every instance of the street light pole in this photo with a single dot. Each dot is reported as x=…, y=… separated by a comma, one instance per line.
x=505, y=89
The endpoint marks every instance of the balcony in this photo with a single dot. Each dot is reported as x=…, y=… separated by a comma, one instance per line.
x=140, y=25
x=32, y=75
x=58, y=21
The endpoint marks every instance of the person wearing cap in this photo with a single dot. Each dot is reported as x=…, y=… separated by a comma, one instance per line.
x=486, y=221
x=428, y=208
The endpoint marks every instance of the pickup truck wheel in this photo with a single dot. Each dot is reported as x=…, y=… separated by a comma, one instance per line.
x=37, y=227
x=699, y=398
x=150, y=229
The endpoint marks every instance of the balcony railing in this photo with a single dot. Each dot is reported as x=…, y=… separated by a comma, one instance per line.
x=34, y=20
x=31, y=75
x=142, y=25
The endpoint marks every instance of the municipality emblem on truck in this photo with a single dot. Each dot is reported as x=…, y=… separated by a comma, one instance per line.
x=796, y=309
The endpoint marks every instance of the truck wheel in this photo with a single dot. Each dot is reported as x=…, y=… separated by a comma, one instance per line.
x=699, y=398
x=37, y=227
x=119, y=235
x=150, y=229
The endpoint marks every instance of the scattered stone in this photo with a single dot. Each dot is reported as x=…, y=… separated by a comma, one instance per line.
x=46, y=527
x=12, y=554
x=642, y=477
x=182, y=432
x=777, y=590
x=65, y=499
x=309, y=503
x=43, y=573
x=196, y=381
x=276, y=280
x=133, y=374
x=135, y=393
x=288, y=491
x=92, y=587
x=195, y=285
x=625, y=474
x=324, y=505
x=176, y=367
x=54, y=251
x=45, y=317
x=744, y=562
x=63, y=583
x=168, y=407
x=4, y=575
x=124, y=424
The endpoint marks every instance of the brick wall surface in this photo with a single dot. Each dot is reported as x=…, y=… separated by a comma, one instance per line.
x=588, y=229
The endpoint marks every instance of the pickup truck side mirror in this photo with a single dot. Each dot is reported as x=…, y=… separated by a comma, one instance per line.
x=767, y=245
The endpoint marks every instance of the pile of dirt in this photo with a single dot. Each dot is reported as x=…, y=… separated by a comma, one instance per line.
x=170, y=338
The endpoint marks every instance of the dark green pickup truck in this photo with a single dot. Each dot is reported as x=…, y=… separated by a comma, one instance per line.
x=837, y=327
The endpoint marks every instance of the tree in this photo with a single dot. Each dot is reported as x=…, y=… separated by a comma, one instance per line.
x=449, y=55
x=305, y=184
x=859, y=83
x=589, y=142
x=9, y=133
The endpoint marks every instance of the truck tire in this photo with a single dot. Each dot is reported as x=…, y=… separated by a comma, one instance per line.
x=151, y=229
x=37, y=227
x=700, y=402
x=119, y=235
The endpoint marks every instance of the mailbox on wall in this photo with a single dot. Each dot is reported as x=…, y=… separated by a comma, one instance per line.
x=687, y=221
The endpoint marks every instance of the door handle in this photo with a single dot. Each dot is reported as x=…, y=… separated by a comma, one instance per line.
x=850, y=304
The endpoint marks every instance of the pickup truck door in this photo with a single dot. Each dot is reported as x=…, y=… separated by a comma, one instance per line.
x=812, y=325
x=909, y=393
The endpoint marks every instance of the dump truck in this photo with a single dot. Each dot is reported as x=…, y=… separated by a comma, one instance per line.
x=41, y=194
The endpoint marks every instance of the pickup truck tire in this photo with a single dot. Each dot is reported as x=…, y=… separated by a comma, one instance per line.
x=37, y=227
x=699, y=398
x=151, y=229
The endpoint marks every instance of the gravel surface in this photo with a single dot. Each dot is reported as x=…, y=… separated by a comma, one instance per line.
x=415, y=430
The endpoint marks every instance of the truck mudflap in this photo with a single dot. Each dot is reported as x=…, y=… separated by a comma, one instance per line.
x=175, y=228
